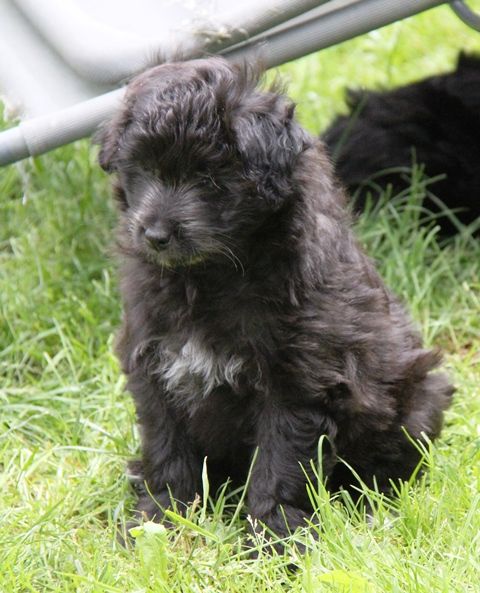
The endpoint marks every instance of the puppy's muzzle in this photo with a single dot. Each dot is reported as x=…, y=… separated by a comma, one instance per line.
x=158, y=237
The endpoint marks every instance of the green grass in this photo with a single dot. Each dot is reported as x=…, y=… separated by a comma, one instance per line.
x=67, y=426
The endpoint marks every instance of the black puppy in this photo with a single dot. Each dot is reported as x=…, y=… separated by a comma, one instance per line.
x=252, y=317
x=435, y=121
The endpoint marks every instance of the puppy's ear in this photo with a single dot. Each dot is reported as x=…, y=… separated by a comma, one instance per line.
x=120, y=196
x=464, y=83
x=467, y=60
x=109, y=136
x=108, y=141
x=269, y=142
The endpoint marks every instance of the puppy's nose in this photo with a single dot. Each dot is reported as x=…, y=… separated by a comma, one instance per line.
x=158, y=237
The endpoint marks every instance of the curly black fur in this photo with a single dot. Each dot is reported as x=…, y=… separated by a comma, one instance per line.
x=435, y=121
x=252, y=317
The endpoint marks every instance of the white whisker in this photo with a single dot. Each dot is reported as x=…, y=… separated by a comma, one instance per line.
x=229, y=254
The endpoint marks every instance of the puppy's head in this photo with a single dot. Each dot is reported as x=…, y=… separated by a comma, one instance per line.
x=202, y=159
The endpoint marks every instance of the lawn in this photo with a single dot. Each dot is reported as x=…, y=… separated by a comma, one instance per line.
x=67, y=426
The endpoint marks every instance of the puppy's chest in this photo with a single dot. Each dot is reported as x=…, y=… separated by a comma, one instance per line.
x=194, y=367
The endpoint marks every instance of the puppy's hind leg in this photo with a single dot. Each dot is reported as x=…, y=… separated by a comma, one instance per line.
x=287, y=441
x=396, y=454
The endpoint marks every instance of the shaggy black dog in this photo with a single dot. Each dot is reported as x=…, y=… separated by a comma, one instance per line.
x=435, y=121
x=252, y=317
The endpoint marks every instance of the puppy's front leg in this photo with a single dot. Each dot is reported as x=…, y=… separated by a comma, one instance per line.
x=287, y=440
x=171, y=468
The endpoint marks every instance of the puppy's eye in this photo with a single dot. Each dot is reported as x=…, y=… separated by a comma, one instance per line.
x=208, y=182
x=128, y=178
x=131, y=183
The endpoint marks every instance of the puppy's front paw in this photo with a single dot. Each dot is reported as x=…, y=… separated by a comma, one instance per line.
x=134, y=470
x=151, y=507
x=135, y=476
x=283, y=521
